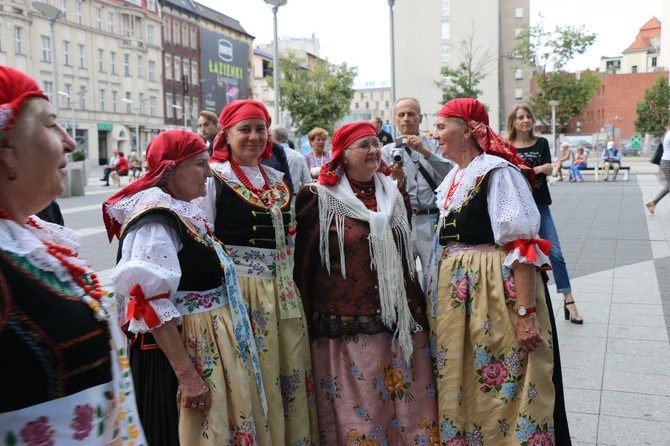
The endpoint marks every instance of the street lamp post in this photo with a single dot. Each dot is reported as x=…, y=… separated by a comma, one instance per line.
x=392, y=38
x=275, y=4
x=553, y=103
x=51, y=13
x=137, y=126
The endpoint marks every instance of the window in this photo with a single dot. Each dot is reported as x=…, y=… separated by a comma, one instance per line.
x=633, y=69
x=18, y=40
x=152, y=70
x=196, y=107
x=166, y=29
x=128, y=25
x=168, y=67
x=101, y=60
x=66, y=52
x=518, y=13
x=1, y=27
x=115, y=100
x=63, y=9
x=82, y=98
x=186, y=69
x=68, y=98
x=101, y=99
x=178, y=102
x=110, y=22
x=518, y=32
x=175, y=32
x=126, y=64
x=98, y=18
x=140, y=72
x=46, y=48
x=141, y=103
x=177, y=68
x=654, y=61
x=194, y=73
x=128, y=104
x=187, y=107
x=77, y=12
x=446, y=55
x=151, y=5
x=445, y=8
x=194, y=38
x=168, y=106
x=184, y=35
x=518, y=74
x=49, y=90
x=151, y=35
x=82, y=62
x=518, y=93
x=445, y=30
x=112, y=62
x=153, y=104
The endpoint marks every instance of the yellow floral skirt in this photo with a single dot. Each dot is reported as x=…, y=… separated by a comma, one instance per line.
x=490, y=392
x=286, y=366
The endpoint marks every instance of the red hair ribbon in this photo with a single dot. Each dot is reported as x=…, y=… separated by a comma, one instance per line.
x=526, y=247
x=139, y=307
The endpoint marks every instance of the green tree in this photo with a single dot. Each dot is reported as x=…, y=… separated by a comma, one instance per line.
x=317, y=95
x=547, y=52
x=462, y=82
x=652, y=112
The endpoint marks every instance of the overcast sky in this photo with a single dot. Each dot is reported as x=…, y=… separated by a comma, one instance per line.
x=357, y=31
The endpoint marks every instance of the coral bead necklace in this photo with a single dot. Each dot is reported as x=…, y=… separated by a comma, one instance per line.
x=265, y=195
x=82, y=275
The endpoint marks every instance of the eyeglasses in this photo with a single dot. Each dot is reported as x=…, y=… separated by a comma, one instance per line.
x=368, y=144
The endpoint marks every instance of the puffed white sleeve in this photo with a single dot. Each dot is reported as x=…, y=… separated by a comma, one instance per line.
x=148, y=261
x=208, y=202
x=515, y=219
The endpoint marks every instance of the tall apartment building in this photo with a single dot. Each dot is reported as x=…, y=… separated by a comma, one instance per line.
x=429, y=34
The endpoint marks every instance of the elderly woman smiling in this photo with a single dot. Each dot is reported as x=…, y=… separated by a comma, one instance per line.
x=193, y=340
x=362, y=297
x=64, y=365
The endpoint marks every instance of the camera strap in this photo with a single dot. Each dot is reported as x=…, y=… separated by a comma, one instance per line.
x=424, y=173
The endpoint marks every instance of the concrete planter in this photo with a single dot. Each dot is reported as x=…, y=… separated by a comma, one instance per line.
x=74, y=180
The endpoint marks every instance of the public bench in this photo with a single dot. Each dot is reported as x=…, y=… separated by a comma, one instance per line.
x=623, y=170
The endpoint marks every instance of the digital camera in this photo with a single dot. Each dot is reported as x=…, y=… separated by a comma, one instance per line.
x=398, y=151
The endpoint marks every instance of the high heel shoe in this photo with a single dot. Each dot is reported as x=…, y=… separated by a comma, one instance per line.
x=576, y=319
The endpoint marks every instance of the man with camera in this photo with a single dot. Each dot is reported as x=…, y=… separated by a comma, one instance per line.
x=417, y=158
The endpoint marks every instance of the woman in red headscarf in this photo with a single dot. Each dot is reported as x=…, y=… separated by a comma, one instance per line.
x=486, y=302
x=363, y=300
x=193, y=356
x=249, y=204
x=64, y=367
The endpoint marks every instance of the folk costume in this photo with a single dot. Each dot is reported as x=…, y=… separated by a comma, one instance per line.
x=368, y=329
x=64, y=366
x=172, y=267
x=250, y=208
x=489, y=389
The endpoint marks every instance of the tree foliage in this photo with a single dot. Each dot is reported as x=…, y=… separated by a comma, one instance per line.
x=653, y=111
x=315, y=96
x=462, y=82
x=548, y=52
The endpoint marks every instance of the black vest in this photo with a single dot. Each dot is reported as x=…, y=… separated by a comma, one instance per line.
x=471, y=223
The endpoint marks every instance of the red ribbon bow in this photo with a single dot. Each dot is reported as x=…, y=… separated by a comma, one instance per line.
x=526, y=247
x=139, y=307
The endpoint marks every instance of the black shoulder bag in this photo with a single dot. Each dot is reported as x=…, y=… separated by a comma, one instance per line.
x=656, y=158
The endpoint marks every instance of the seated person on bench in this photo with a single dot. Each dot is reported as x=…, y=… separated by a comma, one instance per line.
x=611, y=158
x=120, y=170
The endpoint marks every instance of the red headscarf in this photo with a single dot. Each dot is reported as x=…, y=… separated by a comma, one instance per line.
x=343, y=138
x=164, y=153
x=233, y=113
x=475, y=115
x=15, y=88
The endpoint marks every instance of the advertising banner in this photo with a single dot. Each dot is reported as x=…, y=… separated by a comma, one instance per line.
x=224, y=63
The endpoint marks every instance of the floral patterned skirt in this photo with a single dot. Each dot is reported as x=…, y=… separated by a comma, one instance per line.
x=368, y=396
x=490, y=392
x=236, y=414
x=286, y=367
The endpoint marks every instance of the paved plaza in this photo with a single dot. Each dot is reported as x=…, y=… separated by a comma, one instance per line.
x=616, y=367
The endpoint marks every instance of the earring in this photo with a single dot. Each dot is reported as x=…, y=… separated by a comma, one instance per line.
x=11, y=175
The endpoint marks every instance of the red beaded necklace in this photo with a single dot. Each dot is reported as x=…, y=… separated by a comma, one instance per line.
x=365, y=191
x=87, y=281
x=268, y=199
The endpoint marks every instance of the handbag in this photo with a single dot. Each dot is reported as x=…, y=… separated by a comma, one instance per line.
x=656, y=158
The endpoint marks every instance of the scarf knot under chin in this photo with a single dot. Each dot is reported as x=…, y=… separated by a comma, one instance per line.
x=387, y=225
